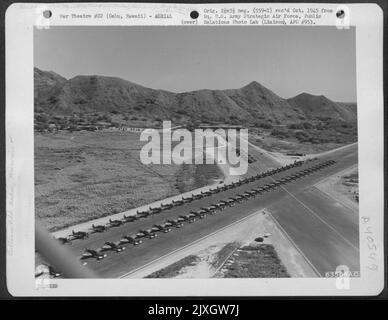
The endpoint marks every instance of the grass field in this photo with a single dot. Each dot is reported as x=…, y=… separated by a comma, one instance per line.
x=81, y=176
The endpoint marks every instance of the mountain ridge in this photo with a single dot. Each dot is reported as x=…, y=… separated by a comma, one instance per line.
x=251, y=103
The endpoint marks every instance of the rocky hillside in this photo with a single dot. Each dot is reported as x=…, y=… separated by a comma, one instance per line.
x=55, y=95
x=320, y=106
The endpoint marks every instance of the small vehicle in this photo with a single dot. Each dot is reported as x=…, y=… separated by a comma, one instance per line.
x=78, y=235
x=206, y=193
x=112, y=246
x=146, y=234
x=197, y=196
x=190, y=218
x=91, y=253
x=99, y=228
x=115, y=223
x=130, y=240
x=130, y=218
x=239, y=198
x=161, y=228
x=174, y=223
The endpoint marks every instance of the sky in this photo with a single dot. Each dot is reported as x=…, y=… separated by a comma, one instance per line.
x=286, y=60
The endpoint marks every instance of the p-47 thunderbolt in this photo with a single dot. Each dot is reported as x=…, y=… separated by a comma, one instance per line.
x=146, y=234
x=130, y=239
x=166, y=206
x=161, y=228
x=174, y=223
x=90, y=253
x=155, y=210
x=200, y=213
x=190, y=218
x=99, y=228
x=129, y=218
x=78, y=235
x=115, y=223
x=142, y=214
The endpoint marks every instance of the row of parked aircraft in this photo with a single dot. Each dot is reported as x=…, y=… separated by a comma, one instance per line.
x=192, y=216
x=151, y=211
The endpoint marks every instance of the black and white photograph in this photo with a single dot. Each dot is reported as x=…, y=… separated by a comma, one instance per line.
x=208, y=150
x=292, y=213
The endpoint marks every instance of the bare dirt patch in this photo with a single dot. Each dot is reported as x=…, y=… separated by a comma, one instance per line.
x=256, y=261
x=174, y=269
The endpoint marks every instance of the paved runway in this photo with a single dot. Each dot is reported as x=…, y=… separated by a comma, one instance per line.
x=118, y=264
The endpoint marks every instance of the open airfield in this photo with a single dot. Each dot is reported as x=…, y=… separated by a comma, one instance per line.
x=326, y=235
x=87, y=170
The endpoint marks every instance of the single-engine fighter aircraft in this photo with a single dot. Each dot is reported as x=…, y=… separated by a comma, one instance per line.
x=53, y=272
x=160, y=228
x=246, y=195
x=239, y=198
x=99, y=228
x=209, y=210
x=174, y=223
x=115, y=223
x=90, y=253
x=155, y=210
x=177, y=202
x=187, y=200
x=190, y=218
x=112, y=246
x=225, y=203
x=198, y=196
x=142, y=214
x=166, y=206
x=78, y=235
x=200, y=213
x=130, y=218
x=146, y=234
x=206, y=193
x=130, y=239
x=212, y=209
